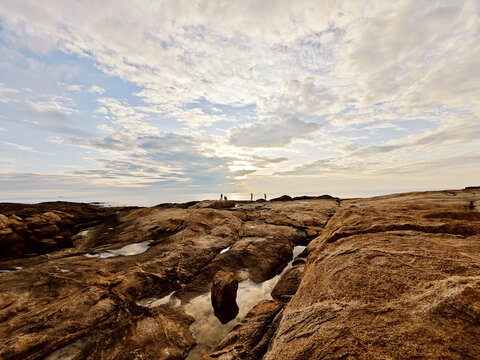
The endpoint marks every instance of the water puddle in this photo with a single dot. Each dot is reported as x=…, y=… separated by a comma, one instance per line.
x=225, y=250
x=128, y=250
x=208, y=330
x=10, y=270
x=154, y=302
x=71, y=351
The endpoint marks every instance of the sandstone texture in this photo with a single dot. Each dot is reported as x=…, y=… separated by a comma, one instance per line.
x=391, y=277
x=394, y=277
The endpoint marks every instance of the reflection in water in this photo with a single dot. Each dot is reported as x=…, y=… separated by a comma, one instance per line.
x=208, y=330
x=225, y=250
x=153, y=302
x=71, y=351
x=128, y=250
x=10, y=270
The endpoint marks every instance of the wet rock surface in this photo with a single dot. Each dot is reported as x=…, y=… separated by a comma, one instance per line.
x=392, y=277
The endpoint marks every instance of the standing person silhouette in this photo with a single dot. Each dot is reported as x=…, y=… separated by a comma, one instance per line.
x=265, y=196
x=221, y=196
x=251, y=196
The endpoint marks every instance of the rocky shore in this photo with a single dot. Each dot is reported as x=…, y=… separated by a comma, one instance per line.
x=390, y=277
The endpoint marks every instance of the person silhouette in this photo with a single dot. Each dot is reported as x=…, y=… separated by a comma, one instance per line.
x=224, y=198
x=265, y=196
x=221, y=196
x=251, y=196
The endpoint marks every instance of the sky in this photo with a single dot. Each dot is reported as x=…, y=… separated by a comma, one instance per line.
x=144, y=102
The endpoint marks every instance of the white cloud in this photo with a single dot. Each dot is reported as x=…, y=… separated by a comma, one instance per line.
x=272, y=133
x=20, y=147
x=8, y=94
x=74, y=87
x=95, y=89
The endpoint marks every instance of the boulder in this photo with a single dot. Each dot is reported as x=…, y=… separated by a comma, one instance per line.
x=224, y=295
x=287, y=286
x=44, y=219
x=282, y=198
x=46, y=231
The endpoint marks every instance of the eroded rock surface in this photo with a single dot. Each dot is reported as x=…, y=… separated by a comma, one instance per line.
x=82, y=302
x=288, y=284
x=29, y=230
x=394, y=277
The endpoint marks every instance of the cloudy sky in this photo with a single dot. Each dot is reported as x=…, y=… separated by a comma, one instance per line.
x=144, y=102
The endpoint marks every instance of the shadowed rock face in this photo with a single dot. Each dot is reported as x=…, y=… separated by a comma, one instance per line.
x=224, y=294
x=28, y=230
x=288, y=284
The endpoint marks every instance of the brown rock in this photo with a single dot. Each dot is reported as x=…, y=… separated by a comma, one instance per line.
x=47, y=245
x=287, y=285
x=224, y=294
x=47, y=221
x=44, y=219
x=282, y=198
x=46, y=231
x=4, y=222
x=68, y=305
x=392, y=277
x=63, y=241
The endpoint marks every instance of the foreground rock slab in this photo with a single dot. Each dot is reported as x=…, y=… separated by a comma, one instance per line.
x=391, y=277
x=394, y=277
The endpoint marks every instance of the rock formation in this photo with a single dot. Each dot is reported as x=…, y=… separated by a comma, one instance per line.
x=224, y=295
x=394, y=277
x=38, y=229
x=390, y=277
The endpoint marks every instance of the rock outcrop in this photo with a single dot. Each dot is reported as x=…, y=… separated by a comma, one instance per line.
x=288, y=284
x=90, y=303
x=394, y=277
x=29, y=230
x=391, y=277
x=224, y=295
